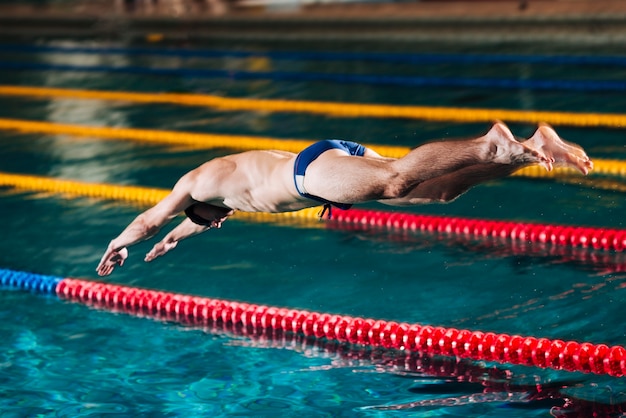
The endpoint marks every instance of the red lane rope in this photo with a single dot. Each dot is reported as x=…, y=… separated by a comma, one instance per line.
x=597, y=238
x=491, y=378
x=476, y=345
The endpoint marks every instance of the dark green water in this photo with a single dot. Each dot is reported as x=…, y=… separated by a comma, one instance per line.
x=62, y=359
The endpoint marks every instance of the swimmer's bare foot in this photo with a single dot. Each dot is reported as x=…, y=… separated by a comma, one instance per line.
x=505, y=149
x=559, y=152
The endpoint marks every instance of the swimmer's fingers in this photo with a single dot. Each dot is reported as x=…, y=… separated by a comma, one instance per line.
x=105, y=269
x=155, y=252
x=110, y=259
x=160, y=249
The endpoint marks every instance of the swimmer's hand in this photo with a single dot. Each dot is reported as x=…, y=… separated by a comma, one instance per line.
x=110, y=259
x=160, y=249
x=185, y=229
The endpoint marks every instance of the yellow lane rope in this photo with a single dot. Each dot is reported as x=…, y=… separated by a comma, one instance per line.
x=450, y=114
x=242, y=143
x=143, y=196
x=187, y=139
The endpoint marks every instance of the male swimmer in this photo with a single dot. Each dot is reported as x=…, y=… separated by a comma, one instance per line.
x=338, y=173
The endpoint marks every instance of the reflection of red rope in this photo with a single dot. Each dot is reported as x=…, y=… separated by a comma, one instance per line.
x=598, y=238
x=603, y=262
x=540, y=352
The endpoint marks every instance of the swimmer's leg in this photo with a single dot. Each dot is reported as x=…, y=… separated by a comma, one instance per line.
x=450, y=186
x=345, y=179
x=497, y=146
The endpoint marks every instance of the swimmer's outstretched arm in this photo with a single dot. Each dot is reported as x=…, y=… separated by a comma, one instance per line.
x=145, y=226
x=187, y=228
x=184, y=230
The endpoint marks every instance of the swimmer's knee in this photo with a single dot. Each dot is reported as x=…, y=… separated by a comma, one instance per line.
x=396, y=186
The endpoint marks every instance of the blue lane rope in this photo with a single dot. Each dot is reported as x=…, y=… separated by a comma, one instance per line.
x=409, y=58
x=570, y=85
x=36, y=283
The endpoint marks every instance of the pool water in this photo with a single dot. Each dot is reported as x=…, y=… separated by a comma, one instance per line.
x=63, y=359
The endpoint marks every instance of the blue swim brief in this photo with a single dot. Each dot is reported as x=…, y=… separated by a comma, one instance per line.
x=310, y=153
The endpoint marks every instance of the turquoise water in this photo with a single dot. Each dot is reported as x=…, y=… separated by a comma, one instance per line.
x=63, y=359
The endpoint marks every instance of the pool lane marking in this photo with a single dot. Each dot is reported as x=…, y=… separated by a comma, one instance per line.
x=178, y=138
x=586, y=237
x=367, y=79
x=246, y=142
x=336, y=109
x=393, y=57
x=432, y=340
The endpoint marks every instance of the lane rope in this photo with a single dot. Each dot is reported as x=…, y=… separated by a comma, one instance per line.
x=494, y=378
x=336, y=109
x=610, y=239
x=246, y=142
x=178, y=138
x=368, y=79
x=476, y=345
x=389, y=57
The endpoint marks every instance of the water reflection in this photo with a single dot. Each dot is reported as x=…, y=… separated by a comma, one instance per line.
x=75, y=158
x=439, y=382
x=519, y=252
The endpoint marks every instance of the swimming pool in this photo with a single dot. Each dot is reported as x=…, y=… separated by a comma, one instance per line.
x=70, y=360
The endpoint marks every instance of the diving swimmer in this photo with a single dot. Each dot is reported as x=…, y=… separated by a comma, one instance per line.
x=336, y=173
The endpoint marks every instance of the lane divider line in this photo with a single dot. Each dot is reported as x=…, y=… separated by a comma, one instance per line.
x=390, y=57
x=612, y=86
x=335, y=109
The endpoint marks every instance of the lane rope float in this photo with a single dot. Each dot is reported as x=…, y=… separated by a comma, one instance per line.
x=367, y=79
x=586, y=237
x=336, y=109
x=476, y=345
x=247, y=142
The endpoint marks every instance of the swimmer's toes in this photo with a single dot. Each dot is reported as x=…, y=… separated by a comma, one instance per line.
x=584, y=165
x=547, y=165
x=545, y=158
